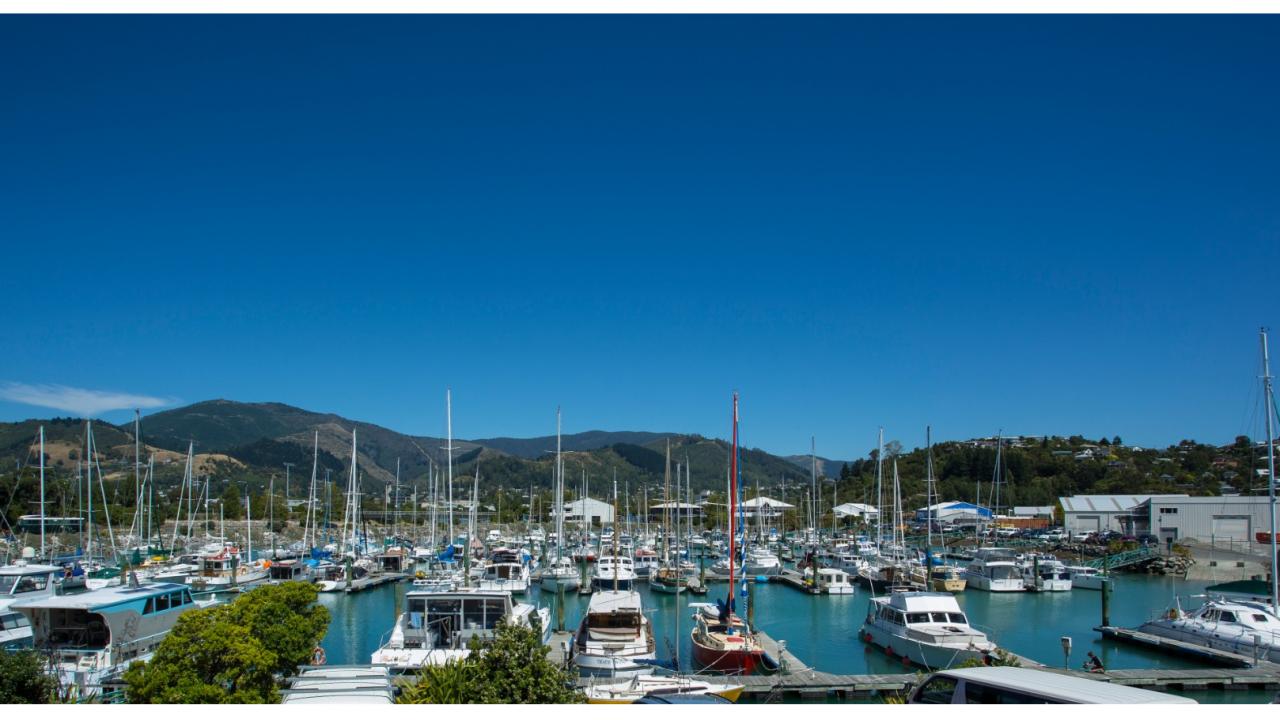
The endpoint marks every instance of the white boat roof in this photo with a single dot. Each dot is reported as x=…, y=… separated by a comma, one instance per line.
x=29, y=569
x=614, y=601
x=924, y=602
x=1062, y=686
x=102, y=597
x=460, y=592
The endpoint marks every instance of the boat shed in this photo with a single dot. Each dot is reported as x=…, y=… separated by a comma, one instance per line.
x=857, y=510
x=677, y=509
x=954, y=512
x=595, y=512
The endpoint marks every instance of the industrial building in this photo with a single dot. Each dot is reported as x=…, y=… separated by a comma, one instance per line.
x=1232, y=518
x=856, y=510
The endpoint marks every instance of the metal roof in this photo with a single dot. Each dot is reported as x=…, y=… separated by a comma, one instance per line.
x=1107, y=503
x=765, y=501
x=1065, y=687
x=102, y=597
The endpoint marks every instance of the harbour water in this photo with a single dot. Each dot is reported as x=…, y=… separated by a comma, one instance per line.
x=823, y=630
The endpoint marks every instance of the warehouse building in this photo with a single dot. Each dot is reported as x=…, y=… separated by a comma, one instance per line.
x=1097, y=513
x=595, y=511
x=1234, y=518
x=955, y=512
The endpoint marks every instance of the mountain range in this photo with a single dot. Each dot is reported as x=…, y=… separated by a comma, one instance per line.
x=252, y=441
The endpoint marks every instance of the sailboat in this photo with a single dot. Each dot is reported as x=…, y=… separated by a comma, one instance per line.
x=722, y=641
x=561, y=573
x=668, y=577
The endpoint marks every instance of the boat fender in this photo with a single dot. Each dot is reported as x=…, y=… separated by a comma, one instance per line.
x=318, y=656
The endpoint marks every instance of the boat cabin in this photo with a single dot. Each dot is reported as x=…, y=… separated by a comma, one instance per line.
x=451, y=619
x=289, y=570
x=612, y=616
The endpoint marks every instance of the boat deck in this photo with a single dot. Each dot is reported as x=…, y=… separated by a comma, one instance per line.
x=372, y=581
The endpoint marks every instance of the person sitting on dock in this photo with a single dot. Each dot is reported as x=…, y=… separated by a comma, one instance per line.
x=1093, y=664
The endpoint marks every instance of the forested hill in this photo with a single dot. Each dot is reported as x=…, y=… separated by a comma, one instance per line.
x=1037, y=471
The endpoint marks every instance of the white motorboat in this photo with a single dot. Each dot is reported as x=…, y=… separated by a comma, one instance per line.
x=927, y=628
x=1046, y=574
x=437, y=627
x=560, y=573
x=994, y=570
x=613, y=572
x=1085, y=578
x=834, y=581
x=615, y=639
x=1238, y=626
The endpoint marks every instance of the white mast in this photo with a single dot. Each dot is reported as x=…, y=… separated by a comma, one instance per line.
x=309, y=533
x=813, y=486
x=1271, y=472
x=88, y=463
x=880, y=488
x=41, y=491
x=928, y=486
x=351, y=497
x=448, y=414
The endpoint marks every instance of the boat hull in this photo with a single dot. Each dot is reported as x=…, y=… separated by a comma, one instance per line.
x=731, y=662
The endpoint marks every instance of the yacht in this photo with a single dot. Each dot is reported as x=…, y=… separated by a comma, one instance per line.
x=757, y=561
x=1243, y=627
x=723, y=642
x=946, y=578
x=93, y=636
x=561, y=573
x=646, y=562
x=437, y=626
x=613, y=572
x=506, y=572
x=1046, y=574
x=927, y=628
x=994, y=570
x=1086, y=578
x=290, y=571
x=615, y=639
x=23, y=582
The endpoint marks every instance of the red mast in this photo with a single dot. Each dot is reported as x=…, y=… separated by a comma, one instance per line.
x=733, y=493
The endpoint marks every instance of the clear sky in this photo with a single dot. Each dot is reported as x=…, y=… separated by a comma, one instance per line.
x=1045, y=224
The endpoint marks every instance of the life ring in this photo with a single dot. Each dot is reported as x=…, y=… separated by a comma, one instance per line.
x=317, y=656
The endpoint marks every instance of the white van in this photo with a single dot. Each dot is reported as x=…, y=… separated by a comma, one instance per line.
x=1022, y=686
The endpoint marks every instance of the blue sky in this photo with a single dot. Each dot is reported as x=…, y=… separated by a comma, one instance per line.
x=1042, y=224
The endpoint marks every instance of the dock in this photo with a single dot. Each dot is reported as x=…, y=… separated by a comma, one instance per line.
x=1199, y=652
x=372, y=581
x=792, y=578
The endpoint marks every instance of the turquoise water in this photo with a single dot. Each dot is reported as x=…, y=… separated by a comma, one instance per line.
x=823, y=630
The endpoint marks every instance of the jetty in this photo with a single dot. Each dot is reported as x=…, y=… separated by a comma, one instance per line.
x=793, y=578
x=372, y=581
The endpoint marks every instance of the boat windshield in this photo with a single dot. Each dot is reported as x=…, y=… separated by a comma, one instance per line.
x=17, y=584
x=1003, y=572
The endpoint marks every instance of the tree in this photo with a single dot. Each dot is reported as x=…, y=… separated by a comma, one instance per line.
x=1117, y=441
x=233, y=653
x=510, y=668
x=22, y=679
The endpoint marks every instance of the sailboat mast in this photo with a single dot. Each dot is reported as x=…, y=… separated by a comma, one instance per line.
x=559, y=493
x=928, y=486
x=448, y=414
x=1271, y=471
x=813, y=485
x=880, y=488
x=733, y=489
x=41, y=491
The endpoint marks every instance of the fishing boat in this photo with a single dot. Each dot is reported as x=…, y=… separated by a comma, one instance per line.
x=92, y=637
x=437, y=627
x=629, y=691
x=722, y=641
x=994, y=570
x=926, y=628
x=614, y=639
